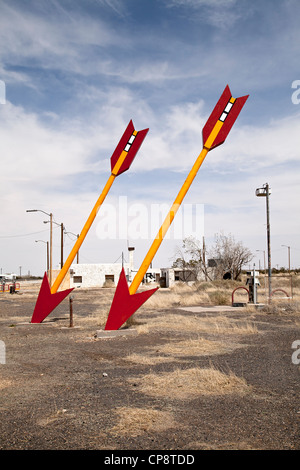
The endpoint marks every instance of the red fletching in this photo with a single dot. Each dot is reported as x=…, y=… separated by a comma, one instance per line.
x=230, y=120
x=217, y=113
x=132, y=149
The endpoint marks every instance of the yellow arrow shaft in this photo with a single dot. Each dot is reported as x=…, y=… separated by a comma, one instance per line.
x=167, y=222
x=88, y=224
x=176, y=204
x=82, y=236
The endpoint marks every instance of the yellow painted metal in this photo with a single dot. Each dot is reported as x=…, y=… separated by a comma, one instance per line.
x=119, y=163
x=88, y=224
x=166, y=224
x=82, y=235
x=213, y=134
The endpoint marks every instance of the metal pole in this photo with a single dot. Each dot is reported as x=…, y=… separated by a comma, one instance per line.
x=78, y=252
x=268, y=241
x=47, y=256
x=254, y=285
x=50, y=273
x=61, y=245
x=71, y=311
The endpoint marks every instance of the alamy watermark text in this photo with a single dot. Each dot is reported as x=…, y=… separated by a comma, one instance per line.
x=135, y=221
x=296, y=94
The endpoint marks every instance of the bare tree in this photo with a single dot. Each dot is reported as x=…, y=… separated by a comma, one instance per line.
x=192, y=257
x=230, y=255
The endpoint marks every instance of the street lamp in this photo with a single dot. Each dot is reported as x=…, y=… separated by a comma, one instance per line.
x=263, y=251
x=265, y=192
x=51, y=219
x=77, y=236
x=61, y=240
x=47, y=243
x=289, y=256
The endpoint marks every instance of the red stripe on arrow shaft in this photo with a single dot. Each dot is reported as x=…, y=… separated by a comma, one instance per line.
x=229, y=121
x=134, y=147
x=133, y=150
x=216, y=113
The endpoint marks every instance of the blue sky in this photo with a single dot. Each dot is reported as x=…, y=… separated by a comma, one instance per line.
x=76, y=72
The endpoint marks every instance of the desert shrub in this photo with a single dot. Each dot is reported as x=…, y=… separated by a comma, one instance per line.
x=296, y=281
x=281, y=308
x=108, y=283
x=202, y=286
x=218, y=298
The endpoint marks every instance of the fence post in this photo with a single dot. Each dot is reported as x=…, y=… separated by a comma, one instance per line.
x=71, y=311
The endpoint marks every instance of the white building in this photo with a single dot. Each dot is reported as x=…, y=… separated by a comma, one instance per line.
x=171, y=275
x=106, y=274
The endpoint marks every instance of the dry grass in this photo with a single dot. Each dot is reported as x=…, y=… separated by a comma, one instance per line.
x=197, y=324
x=196, y=347
x=4, y=383
x=171, y=350
x=190, y=383
x=135, y=421
x=149, y=360
x=226, y=325
x=167, y=299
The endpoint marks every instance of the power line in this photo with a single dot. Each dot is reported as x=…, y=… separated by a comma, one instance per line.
x=23, y=235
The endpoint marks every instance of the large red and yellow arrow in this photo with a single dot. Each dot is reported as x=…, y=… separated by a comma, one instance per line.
x=121, y=160
x=214, y=133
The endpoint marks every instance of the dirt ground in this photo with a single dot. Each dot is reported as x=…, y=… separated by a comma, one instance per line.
x=187, y=379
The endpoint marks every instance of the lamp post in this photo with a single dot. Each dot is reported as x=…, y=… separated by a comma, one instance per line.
x=77, y=236
x=51, y=225
x=61, y=241
x=265, y=192
x=47, y=243
x=289, y=256
x=263, y=251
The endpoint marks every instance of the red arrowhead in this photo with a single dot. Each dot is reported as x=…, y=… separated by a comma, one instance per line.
x=46, y=302
x=124, y=304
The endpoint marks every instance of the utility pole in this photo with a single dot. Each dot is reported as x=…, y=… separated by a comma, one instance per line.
x=265, y=192
x=268, y=239
x=61, y=245
x=51, y=257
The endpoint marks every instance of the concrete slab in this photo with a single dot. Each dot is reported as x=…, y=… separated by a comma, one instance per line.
x=214, y=308
x=34, y=324
x=115, y=333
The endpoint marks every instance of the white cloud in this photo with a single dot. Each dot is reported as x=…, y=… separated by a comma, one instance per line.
x=51, y=41
x=219, y=13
